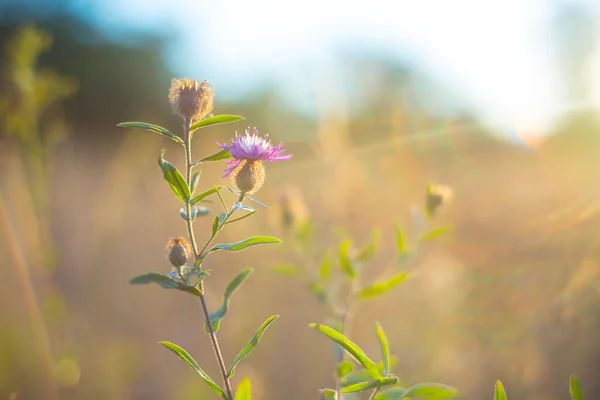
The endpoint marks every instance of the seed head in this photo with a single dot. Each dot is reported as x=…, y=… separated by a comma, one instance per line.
x=179, y=251
x=190, y=99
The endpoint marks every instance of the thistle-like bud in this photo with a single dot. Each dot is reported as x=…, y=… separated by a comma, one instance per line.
x=190, y=99
x=249, y=176
x=436, y=196
x=179, y=251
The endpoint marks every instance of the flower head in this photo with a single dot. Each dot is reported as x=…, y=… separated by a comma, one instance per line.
x=179, y=251
x=248, y=153
x=191, y=99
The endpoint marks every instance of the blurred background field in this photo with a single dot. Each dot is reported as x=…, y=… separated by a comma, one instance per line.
x=511, y=294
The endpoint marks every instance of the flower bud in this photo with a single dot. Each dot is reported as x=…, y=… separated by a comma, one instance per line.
x=179, y=251
x=190, y=99
x=249, y=176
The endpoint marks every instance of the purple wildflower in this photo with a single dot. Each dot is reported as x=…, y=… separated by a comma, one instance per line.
x=252, y=148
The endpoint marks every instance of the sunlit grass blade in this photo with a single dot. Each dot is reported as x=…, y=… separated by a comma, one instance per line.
x=173, y=177
x=499, y=392
x=379, y=288
x=251, y=344
x=350, y=347
x=244, y=390
x=205, y=194
x=218, y=315
x=217, y=119
x=151, y=127
x=575, y=388
x=429, y=390
x=385, y=349
x=189, y=360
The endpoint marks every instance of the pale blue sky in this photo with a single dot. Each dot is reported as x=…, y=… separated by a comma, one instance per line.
x=496, y=54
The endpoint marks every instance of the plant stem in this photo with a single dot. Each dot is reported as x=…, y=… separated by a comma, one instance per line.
x=372, y=396
x=344, y=319
x=188, y=209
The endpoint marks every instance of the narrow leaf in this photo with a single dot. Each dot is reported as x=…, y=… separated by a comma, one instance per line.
x=435, y=233
x=369, y=249
x=218, y=315
x=194, y=183
x=150, y=127
x=401, y=241
x=359, y=387
x=174, y=178
x=217, y=119
x=350, y=347
x=325, y=268
x=344, y=368
x=189, y=360
x=218, y=156
x=205, y=194
x=241, y=218
x=379, y=288
x=435, y=390
x=288, y=270
x=345, y=262
x=166, y=282
x=575, y=388
x=244, y=244
x=244, y=390
x=328, y=394
x=499, y=392
x=215, y=226
x=385, y=349
x=391, y=394
x=251, y=344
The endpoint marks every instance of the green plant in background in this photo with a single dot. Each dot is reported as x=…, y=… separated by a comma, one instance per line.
x=574, y=389
x=336, y=279
x=246, y=155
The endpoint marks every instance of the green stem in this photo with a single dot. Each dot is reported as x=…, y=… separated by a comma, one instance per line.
x=188, y=209
x=372, y=396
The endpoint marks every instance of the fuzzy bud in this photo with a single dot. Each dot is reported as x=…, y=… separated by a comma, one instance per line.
x=179, y=251
x=190, y=99
x=249, y=176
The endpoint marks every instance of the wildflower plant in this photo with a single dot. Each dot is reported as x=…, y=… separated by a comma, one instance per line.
x=193, y=101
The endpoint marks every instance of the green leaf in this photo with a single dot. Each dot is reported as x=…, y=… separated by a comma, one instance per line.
x=328, y=394
x=165, y=281
x=153, y=128
x=174, y=178
x=319, y=292
x=325, y=268
x=401, y=241
x=205, y=194
x=350, y=347
x=363, y=375
x=344, y=368
x=189, y=360
x=345, y=262
x=194, y=212
x=359, y=387
x=429, y=390
x=385, y=349
x=379, y=288
x=241, y=218
x=218, y=315
x=244, y=390
x=575, y=388
x=218, y=156
x=215, y=226
x=288, y=270
x=391, y=394
x=194, y=183
x=217, y=119
x=369, y=249
x=435, y=233
x=244, y=244
x=499, y=392
x=251, y=344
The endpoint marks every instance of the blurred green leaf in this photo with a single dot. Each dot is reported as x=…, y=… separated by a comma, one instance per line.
x=205, y=194
x=368, y=250
x=165, y=281
x=499, y=392
x=575, y=388
x=429, y=390
x=325, y=267
x=251, y=344
x=401, y=245
x=174, y=178
x=435, y=233
x=189, y=360
x=244, y=244
x=288, y=270
x=350, y=347
x=344, y=368
x=194, y=183
x=363, y=375
x=217, y=119
x=328, y=394
x=359, y=387
x=379, y=288
x=150, y=127
x=344, y=258
x=244, y=390
x=385, y=349
x=218, y=156
x=391, y=394
x=318, y=290
x=218, y=315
